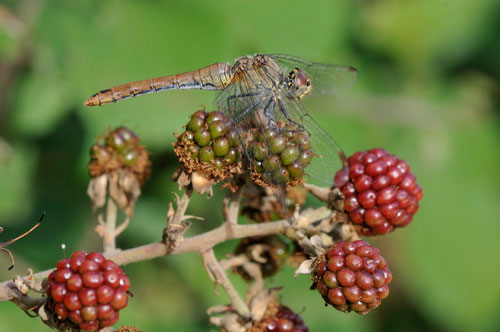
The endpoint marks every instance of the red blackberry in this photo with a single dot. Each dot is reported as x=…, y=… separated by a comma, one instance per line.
x=380, y=191
x=87, y=291
x=352, y=276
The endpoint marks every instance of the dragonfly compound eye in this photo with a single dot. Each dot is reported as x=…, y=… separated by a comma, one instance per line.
x=302, y=79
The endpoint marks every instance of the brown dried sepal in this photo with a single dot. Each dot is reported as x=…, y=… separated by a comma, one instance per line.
x=258, y=179
x=229, y=320
x=272, y=310
x=121, y=185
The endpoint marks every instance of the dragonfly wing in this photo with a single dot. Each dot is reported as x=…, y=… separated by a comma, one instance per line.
x=238, y=97
x=329, y=154
x=325, y=78
x=246, y=107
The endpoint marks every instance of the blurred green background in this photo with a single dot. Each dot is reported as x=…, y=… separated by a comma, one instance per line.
x=427, y=91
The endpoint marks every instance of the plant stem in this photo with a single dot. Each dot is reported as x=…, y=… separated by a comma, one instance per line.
x=213, y=268
x=157, y=249
x=109, y=240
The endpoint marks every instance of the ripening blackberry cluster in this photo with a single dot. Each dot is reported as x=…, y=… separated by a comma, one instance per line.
x=352, y=276
x=380, y=192
x=87, y=291
x=280, y=155
x=119, y=149
x=209, y=143
x=285, y=320
x=279, y=318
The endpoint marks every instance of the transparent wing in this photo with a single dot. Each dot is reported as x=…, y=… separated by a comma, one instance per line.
x=326, y=78
x=329, y=154
x=238, y=99
x=246, y=107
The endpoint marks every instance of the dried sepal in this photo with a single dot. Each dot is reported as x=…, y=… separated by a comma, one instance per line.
x=97, y=190
x=306, y=267
x=228, y=319
x=261, y=301
x=124, y=189
x=276, y=316
x=121, y=185
x=202, y=183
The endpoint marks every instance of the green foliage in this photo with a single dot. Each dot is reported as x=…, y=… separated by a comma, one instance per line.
x=425, y=92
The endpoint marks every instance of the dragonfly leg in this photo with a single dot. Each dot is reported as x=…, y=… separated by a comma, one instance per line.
x=234, y=97
x=237, y=120
x=285, y=114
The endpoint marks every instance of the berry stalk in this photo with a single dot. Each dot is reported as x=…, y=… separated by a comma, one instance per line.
x=109, y=239
x=159, y=249
x=217, y=274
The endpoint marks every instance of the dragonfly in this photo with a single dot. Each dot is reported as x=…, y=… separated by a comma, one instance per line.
x=262, y=90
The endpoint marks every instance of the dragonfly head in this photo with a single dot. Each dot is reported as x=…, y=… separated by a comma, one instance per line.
x=298, y=83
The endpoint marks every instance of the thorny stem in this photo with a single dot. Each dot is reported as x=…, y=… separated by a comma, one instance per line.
x=215, y=270
x=157, y=249
x=182, y=205
x=177, y=221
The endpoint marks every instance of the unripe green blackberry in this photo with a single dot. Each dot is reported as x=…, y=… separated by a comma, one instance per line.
x=119, y=149
x=279, y=155
x=380, y=192
x=352, y=276
x=209, y=145
x=87, y=291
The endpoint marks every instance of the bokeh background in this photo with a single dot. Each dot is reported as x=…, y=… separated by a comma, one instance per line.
x=427, y=91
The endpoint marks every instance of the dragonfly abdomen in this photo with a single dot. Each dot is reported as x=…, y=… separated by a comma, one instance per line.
x=213, y=77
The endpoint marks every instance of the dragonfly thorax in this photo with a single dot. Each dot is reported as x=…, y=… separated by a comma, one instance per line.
x=298, y=83
x=251, y=62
